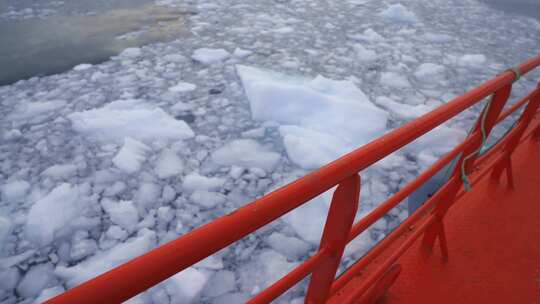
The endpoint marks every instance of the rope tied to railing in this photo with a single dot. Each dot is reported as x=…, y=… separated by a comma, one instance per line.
x=516, y=72
x=464, y=176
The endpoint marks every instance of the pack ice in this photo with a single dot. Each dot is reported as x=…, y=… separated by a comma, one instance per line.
x=320, y=119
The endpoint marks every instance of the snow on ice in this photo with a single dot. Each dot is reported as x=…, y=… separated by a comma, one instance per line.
x=36, y=112
x=365, y=54
x=209, y=56
x=129, y=118
x=399, y=13
x=14, y=190
x=61, y=171
x=105, y=260
x=291, y=247
x=122, y=213
x=403, y=110
x=186, y=286
x=169, y=164
x=195, y=181
x=207, y=199
x=35, y=280
x=316, y=210
x=394, y=80
x=472, y=60
x=310, y=110
x=5, y=230
x=182, y=87
x=222, y=282
x=246, y=153
x=131, y=156
x=368, y=35
x=430, y=73
x=52, y=213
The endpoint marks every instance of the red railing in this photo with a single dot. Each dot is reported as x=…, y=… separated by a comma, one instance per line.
x=163, y=262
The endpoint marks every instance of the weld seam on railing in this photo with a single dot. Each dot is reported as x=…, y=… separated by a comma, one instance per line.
x=292, y=278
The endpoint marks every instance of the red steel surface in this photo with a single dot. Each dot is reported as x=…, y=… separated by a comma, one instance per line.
x=336, y=233
x=493, y=237
x=159, y=264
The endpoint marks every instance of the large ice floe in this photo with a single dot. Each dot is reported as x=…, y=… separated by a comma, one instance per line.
x=129, y=118
x=320, y=119
x=107, y=161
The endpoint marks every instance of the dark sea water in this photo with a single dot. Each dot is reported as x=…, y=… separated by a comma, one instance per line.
x=55, y=36
x=529, y=8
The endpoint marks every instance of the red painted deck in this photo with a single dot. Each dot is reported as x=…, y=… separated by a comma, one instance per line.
x=494, y=245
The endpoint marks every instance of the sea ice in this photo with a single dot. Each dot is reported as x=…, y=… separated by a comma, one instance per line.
x=121, y=213
x=246, y=153
x=334, y=108
x=106, y=260
x=209, y=56
x=131, y=156
x=182, y=87
x=207, y=199
x=53, y=212
x=195, y=181
x=399, y=13
x=222, y=282
x=168, y=164
x=35, y=280
x=14, y=190
x=430, y=72
x=394, y=80
x=472, y=60
x=402, y=110
x=129, y=118
x=186, y=286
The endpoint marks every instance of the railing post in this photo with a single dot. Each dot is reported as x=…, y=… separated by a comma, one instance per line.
x=536, y=133
x=437, y=228
x=520, y=128
x=487, y=123
x=336, y=231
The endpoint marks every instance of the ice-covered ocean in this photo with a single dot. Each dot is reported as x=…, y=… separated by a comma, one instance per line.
x=104, y=162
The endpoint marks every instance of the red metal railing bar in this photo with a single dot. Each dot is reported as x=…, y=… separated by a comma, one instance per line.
x=441, y=163
x=514, y=138
x=466, y=163
x=381, y=269
x=359, y=266
x=385, y=207
x=395, y=199
x=339, y=221
x=513, y=108
x=161, y=263
x=486, y=169
x=404, y=192
x=504, y=141
x=292, y=278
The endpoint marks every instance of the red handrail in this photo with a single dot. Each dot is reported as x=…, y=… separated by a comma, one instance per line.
x=139, y=274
